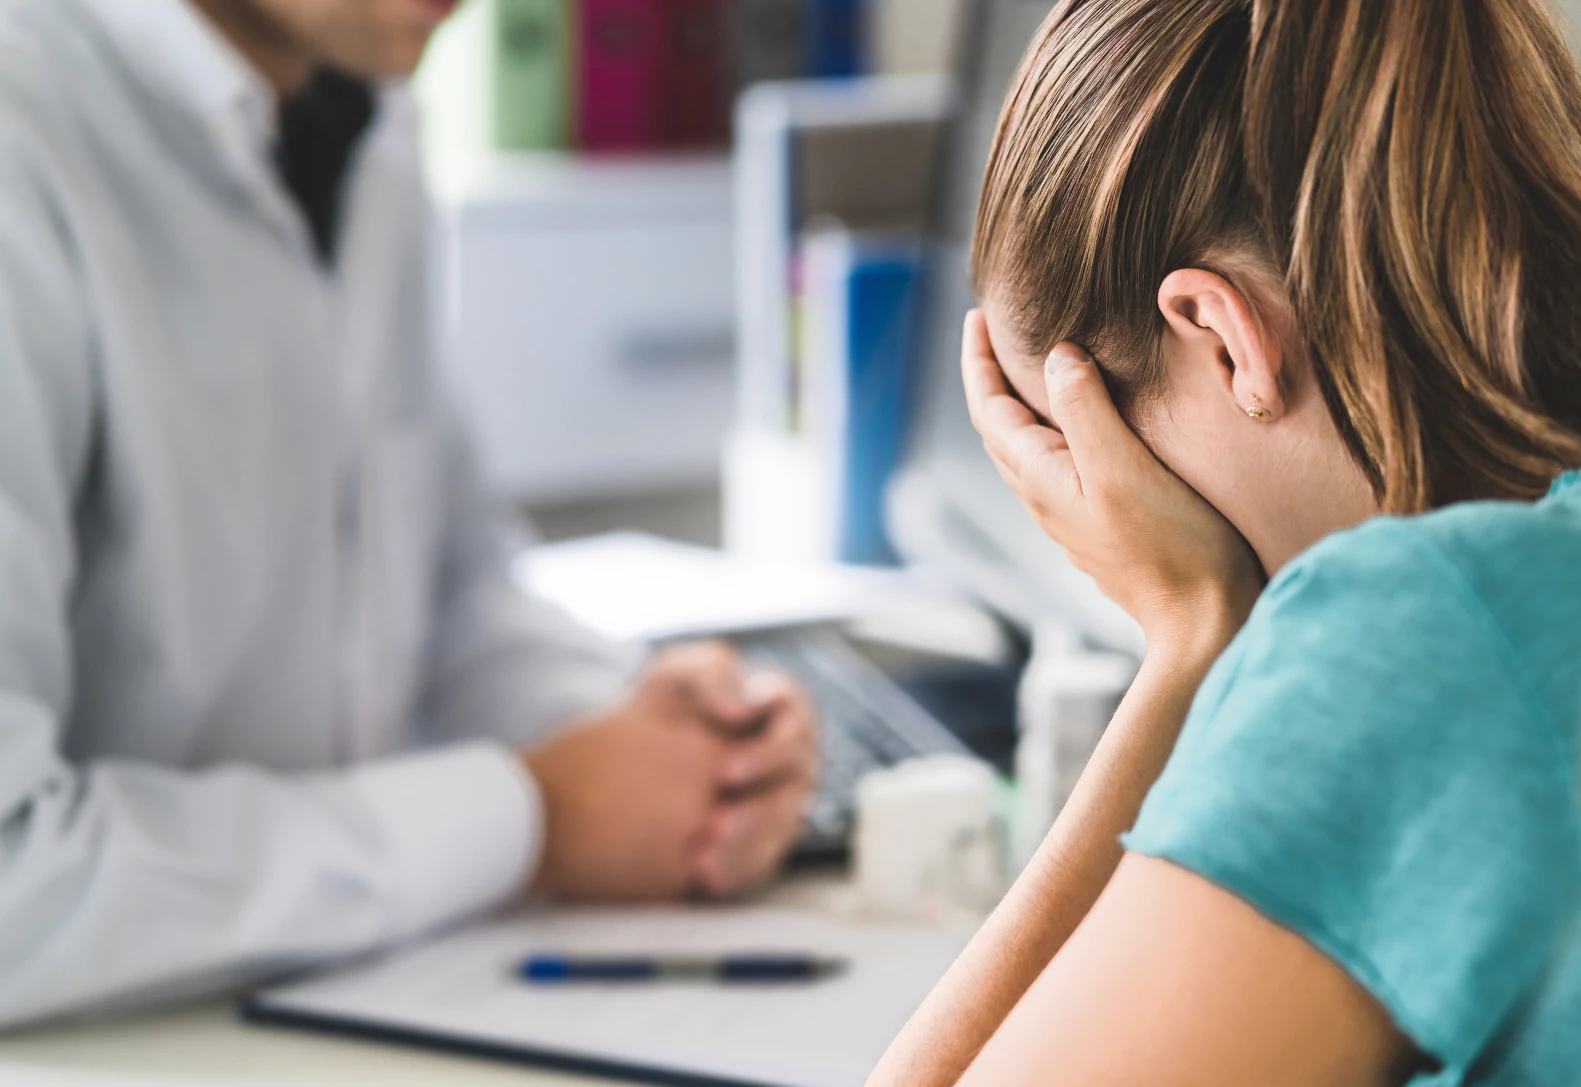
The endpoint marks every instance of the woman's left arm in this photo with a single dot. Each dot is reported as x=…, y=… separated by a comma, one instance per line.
x=1172, y=979
x=1179, y=568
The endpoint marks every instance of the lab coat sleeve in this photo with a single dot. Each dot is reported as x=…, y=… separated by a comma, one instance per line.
x=121, y=881
x=504, y=664
x=501, y=663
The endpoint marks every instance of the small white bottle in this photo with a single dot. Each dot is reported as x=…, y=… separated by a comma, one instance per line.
x=1066, y=699
x=929, y=841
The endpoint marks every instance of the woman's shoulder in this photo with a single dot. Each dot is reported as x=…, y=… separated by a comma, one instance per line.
x=1478, y=586
x=1385, y=761
x=1491, y=547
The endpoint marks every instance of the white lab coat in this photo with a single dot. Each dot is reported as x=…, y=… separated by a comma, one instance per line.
x=246, y=569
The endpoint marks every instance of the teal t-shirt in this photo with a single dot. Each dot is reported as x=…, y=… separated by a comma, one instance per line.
x=1386, y=762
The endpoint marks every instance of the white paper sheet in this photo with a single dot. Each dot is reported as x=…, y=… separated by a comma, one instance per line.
x=634, y=586
x=15, y=1074
x=822, y=1034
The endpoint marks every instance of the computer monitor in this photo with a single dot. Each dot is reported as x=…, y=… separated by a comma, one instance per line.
x=948, y=507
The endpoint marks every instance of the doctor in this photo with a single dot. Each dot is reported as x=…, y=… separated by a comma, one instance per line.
x=267, y=694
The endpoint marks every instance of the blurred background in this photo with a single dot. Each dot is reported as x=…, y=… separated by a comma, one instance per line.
x=596, y=288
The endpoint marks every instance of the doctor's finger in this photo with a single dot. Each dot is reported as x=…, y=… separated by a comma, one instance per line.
x=709, y=678
x=786, y=750
x=747, y=841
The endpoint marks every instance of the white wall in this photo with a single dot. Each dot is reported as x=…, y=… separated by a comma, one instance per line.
x=1571, y=8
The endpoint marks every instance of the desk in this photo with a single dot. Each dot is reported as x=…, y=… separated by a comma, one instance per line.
x=206, y=1045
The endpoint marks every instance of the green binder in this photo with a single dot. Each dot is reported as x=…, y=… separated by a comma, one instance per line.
x=532, y=78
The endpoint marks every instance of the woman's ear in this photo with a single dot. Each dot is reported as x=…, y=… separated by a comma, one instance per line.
x=1220, y=332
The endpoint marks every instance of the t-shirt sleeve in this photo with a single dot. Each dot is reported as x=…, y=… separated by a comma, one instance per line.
x=1369, y=767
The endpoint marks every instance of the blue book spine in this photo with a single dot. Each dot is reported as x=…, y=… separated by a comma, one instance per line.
x=836, y=37
x=884, y=296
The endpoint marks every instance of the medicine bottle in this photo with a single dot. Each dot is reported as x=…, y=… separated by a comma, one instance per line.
x=1066, y=698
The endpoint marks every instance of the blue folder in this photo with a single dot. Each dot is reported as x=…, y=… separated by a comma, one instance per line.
x=835, y=37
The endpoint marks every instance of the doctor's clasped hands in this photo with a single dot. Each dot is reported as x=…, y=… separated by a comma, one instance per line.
x=696, y=783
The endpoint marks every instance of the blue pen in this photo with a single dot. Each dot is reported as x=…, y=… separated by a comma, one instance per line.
x=728, y=969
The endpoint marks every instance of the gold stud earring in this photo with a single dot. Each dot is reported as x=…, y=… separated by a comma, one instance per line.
x=1258, y=410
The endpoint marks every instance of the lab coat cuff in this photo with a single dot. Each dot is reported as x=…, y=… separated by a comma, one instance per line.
x=463, y=826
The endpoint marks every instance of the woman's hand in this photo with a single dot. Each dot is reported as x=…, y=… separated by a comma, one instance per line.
x=1152, y=543
x=1187, y=576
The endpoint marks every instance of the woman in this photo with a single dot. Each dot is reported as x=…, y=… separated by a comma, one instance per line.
x=1321, y=254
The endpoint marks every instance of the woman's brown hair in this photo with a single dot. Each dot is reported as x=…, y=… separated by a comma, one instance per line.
x=1410, y=170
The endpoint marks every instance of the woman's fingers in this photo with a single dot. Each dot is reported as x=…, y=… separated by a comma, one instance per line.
x=1037, y=456
x=997, y=413
x=986, y=387
x=1095, y=487
x=1101, y=444
x=1033, y=458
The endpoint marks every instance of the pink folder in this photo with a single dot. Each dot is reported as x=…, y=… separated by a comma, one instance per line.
x=624, y=47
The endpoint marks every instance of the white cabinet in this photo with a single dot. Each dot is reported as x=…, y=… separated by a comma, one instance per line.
x=588, y=315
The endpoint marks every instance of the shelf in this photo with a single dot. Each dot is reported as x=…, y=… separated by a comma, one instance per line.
x=614, y=188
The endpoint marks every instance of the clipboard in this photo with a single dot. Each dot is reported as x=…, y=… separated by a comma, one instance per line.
x=460, y=994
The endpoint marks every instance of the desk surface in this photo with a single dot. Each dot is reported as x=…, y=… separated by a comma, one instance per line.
x=207, y=1045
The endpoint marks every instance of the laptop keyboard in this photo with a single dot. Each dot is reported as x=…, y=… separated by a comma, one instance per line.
x=869, y=723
